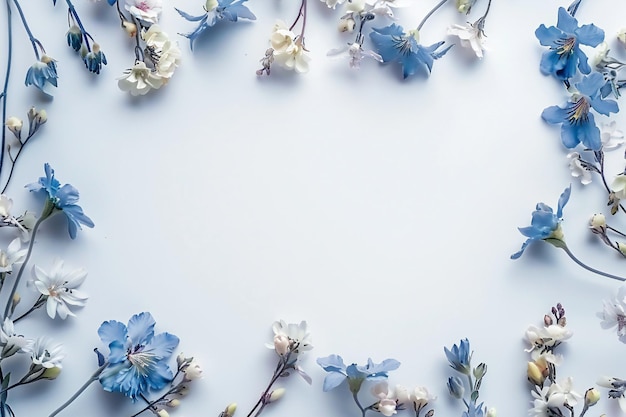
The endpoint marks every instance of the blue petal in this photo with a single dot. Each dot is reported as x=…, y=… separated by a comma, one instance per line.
x=332, y=363
x=112, y=330
x=566, y=22
x=189, y=17
x=569, y=135
x=589, y=134
x=554, y=115
x=162, y=345
x=590, y=35
x=333, y=380
x=141, y=328
x=548, y=36
x=604, y=107
x=516, y=255
x=563, y=199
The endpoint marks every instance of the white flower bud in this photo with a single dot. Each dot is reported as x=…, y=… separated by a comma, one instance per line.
x=621, y=36
x=276, y=395
x=163, y=413
x=173, y=403
x=491, y=412
x=402, y=394
x=597, y=224
x=210, y=5
x=622, y=248
x=193, y=371
x=281, y=344
x=130, y=28
x=387, y=407
x=15, y=124
x=592, y=396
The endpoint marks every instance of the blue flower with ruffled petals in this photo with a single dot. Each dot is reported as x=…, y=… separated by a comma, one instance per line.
x=460, y=356
x=355, y=374
x=63, y=198
x=393, y=44
x=564, y=42
x=230, y=10
x=41, y=73
x=138, y=358
x=545, y=223
x=577, y=122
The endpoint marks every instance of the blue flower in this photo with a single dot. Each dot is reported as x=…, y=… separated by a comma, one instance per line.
x=577, y=123
x=64, y=198
x=216, y=10
x=138, y=358
x=460, y=356
x=41, y=73
x=474, y=410
x=74, y=38
x=393, y=44
x=564, y=40
x=356, y=374
x=455, y=387
x=95, y=59
x=545, y=223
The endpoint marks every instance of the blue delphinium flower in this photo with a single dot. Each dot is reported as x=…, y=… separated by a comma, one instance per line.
x=63, y=198
x=41, y=73
x=216, y=10
x=95, y=59
x=545, y=223
x=393, y=44
x=577, y=123
x=356, y=374
x=138, y=358
x=564, y=40
x=460, y=356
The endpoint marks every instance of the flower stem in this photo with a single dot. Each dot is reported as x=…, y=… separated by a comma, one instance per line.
x=76, y=18
x=23, y=266
x=280, y=368
x=434, y=9
x=5, y=88
x=587, y=267
x=93, y=378
x=34, y=42
x=14, y=160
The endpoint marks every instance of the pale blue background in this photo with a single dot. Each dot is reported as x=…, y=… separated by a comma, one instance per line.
x=382, y=211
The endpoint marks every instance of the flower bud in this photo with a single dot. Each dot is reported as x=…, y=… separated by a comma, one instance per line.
x=455, y=387
x=281, y=344
x=464, y=6
x=230, y=410
x=491, y=412
x=51, y=373
x=597, y=224
x=163, y=413
x=622, y=248
x=535, y=374
x=210, y=5
x=42, y=117
x=173, y=402
x=402, y=394
x=621, y=36
x=592, y=396
x=480, y=371
x=387, y=407
x=15, y=124
x=346, y=25
x=275, y=395
x=130, y=28
x=547, y=320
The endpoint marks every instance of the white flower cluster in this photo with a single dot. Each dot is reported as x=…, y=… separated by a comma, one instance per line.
x=164, y=55
x=288, y=49
x=389, y=401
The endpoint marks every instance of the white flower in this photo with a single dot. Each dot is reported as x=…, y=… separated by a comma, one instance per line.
x=387, y=407
x=289, y=49
x=385, y=7
x=140, y=79
x=297, y=334
x=402, y=394
x=600, y=58
x=5, y=206
x=332, y=3
x=281, y=37
x=355, y=52
x=614, y=313
x=561, y=394
x=619, y=186
x=540, y=403
x=164, y=53
x=420, y=397
x=45, y=354
x=542, y=339
x=146, y=10
x=11, y=343
x=611, y=137
x=59, y=288
x=193, y=371
x=386, y=401
x=578, y=169
x=617, y=385
x=355, y=6
x=13, y=255
x=470, y=36
x=281, y=344
x=621, y=36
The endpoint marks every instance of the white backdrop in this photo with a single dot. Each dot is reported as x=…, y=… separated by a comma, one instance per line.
x=382, y=211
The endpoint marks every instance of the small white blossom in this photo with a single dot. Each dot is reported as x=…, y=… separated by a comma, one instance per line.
x=146, y=10
x=13, y=255
x=59, y=288
x=193, y=371
x=332, y=3
x=289, y=49
x=578, y=169
x=543, y=338
x=611, y=137
x=561, y=394
x=164, y=53
x=614, y=313
x=617, y=385
x=10, y=342
x=355, y=52
x=540, y=403
x=386, y=401
x=471, y=36
x=420, y=397
x=601, y=55
x=619, y=186
x=45, y=354
x=5, y=206
x=297, y=334
x=140, y=79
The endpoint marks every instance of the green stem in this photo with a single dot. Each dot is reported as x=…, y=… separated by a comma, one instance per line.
x=587, y=267
x=434, y=9
x=93, y=378
x=23, y=266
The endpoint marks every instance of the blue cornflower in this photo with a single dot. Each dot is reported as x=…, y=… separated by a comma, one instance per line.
x=41, y=73
x=577, y=123
x=564, y=40
x=138, y=358
x=63, y=198
x=460, y=356
x=545, y=223
x=95, y=59
x=356, y=374
x=216, y=10
x=393, y=44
